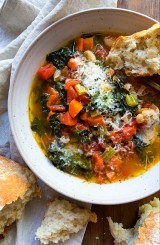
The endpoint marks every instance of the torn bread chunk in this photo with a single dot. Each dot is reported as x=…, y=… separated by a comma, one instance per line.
x=138, y=54
x=63, y=218
x=146, y=230
x=17, y=187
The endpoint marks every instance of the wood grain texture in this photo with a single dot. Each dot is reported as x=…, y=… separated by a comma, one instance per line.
x=98, y=234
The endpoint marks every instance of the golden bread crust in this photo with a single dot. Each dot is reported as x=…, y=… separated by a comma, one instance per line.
x=13, y=181
x=138, y=54
x=149, y=233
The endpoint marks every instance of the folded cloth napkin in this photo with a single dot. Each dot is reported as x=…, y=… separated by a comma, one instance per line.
x=20, y=22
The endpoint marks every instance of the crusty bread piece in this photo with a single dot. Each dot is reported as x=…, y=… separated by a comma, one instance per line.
x=17, y=187
x=146, y=230
x=63, y=218
x=138, y=54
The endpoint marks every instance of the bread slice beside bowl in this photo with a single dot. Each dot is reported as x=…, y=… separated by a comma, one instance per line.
x=17, y=187
x=146, y=230
x=137, y=54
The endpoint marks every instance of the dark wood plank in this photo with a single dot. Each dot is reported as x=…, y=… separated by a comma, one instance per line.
x=147, y=7
x=98, y=234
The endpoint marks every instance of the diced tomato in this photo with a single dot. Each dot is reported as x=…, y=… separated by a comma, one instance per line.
x=57, y=108
x=93, y=147
x=45, y=72
x=80, y=126
x=79, y=44
x=115, y=164
x=66, y=119
x=54, y=99
x=88, y=43
x=124, y=134
x=100, y=179
x=100, y=52
x=73, y=63
x=96, y=121
x=111, y=175
x=71, y=94
x=84, y=99
x=98, y=162
x=75, y=107
x=70, y=82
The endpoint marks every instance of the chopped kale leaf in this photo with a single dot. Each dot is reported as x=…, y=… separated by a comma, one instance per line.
x=38, y=126
x=84, y=136
x=43, y=103
x=59, y=86
x=55, y=125
x=60, y=57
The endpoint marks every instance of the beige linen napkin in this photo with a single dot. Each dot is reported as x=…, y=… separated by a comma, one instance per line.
x=20, y=22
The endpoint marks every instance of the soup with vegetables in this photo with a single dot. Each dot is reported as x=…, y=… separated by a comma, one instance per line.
x=90, y=120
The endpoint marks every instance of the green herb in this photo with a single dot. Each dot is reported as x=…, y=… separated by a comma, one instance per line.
x=68, y=161
x=59, y=86
x=60, y=57
x=43, y=103
x=38, y=126
x=55, y=125
x=84, y=136
x=108, y=154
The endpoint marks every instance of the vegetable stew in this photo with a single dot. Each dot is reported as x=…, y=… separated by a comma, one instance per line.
x=90, y=120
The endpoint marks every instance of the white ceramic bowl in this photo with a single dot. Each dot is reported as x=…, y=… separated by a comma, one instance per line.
x=54, y=37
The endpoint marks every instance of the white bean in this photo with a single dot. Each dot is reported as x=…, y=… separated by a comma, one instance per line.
x=89, y=55
x=108, y=41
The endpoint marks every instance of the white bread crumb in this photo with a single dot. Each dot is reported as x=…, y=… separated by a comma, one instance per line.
x=138, y=54
x=63, y=218
x=146, y=230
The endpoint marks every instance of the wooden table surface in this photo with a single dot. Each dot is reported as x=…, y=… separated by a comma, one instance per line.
x=98, y=234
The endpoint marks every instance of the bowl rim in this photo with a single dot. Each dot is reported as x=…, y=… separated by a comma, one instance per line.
x=12, y=82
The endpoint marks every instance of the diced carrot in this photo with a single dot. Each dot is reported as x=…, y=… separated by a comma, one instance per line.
x=96, y=121
x=70, y=82
x=71, y=94
x=88, y=43
x=45, y=72
x=50, y=90
x=53, y=100
x=84, y=116
x=98, y=162
x=74, y=108
x=72, y=63
x=57, y=108
x=66, y=119
x=111, y=175
x=49, y=115
x=79, y=44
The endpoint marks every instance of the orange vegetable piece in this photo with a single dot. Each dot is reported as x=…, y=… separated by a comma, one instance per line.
x=70, y=82
x=53, y=100
x=74, y=108
x=79, y=44
x=57, y=108
x=49, y=115
x=66, y=119
x=88, y=43
x=71, y=94
x=50, y=90
x=100, y=179
x=115, y=164
x=98, y=162
x=111, y=175
x=84, y=116
x=95, y=121
x=45, y=72
x=72, y=63
x=65, y=71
